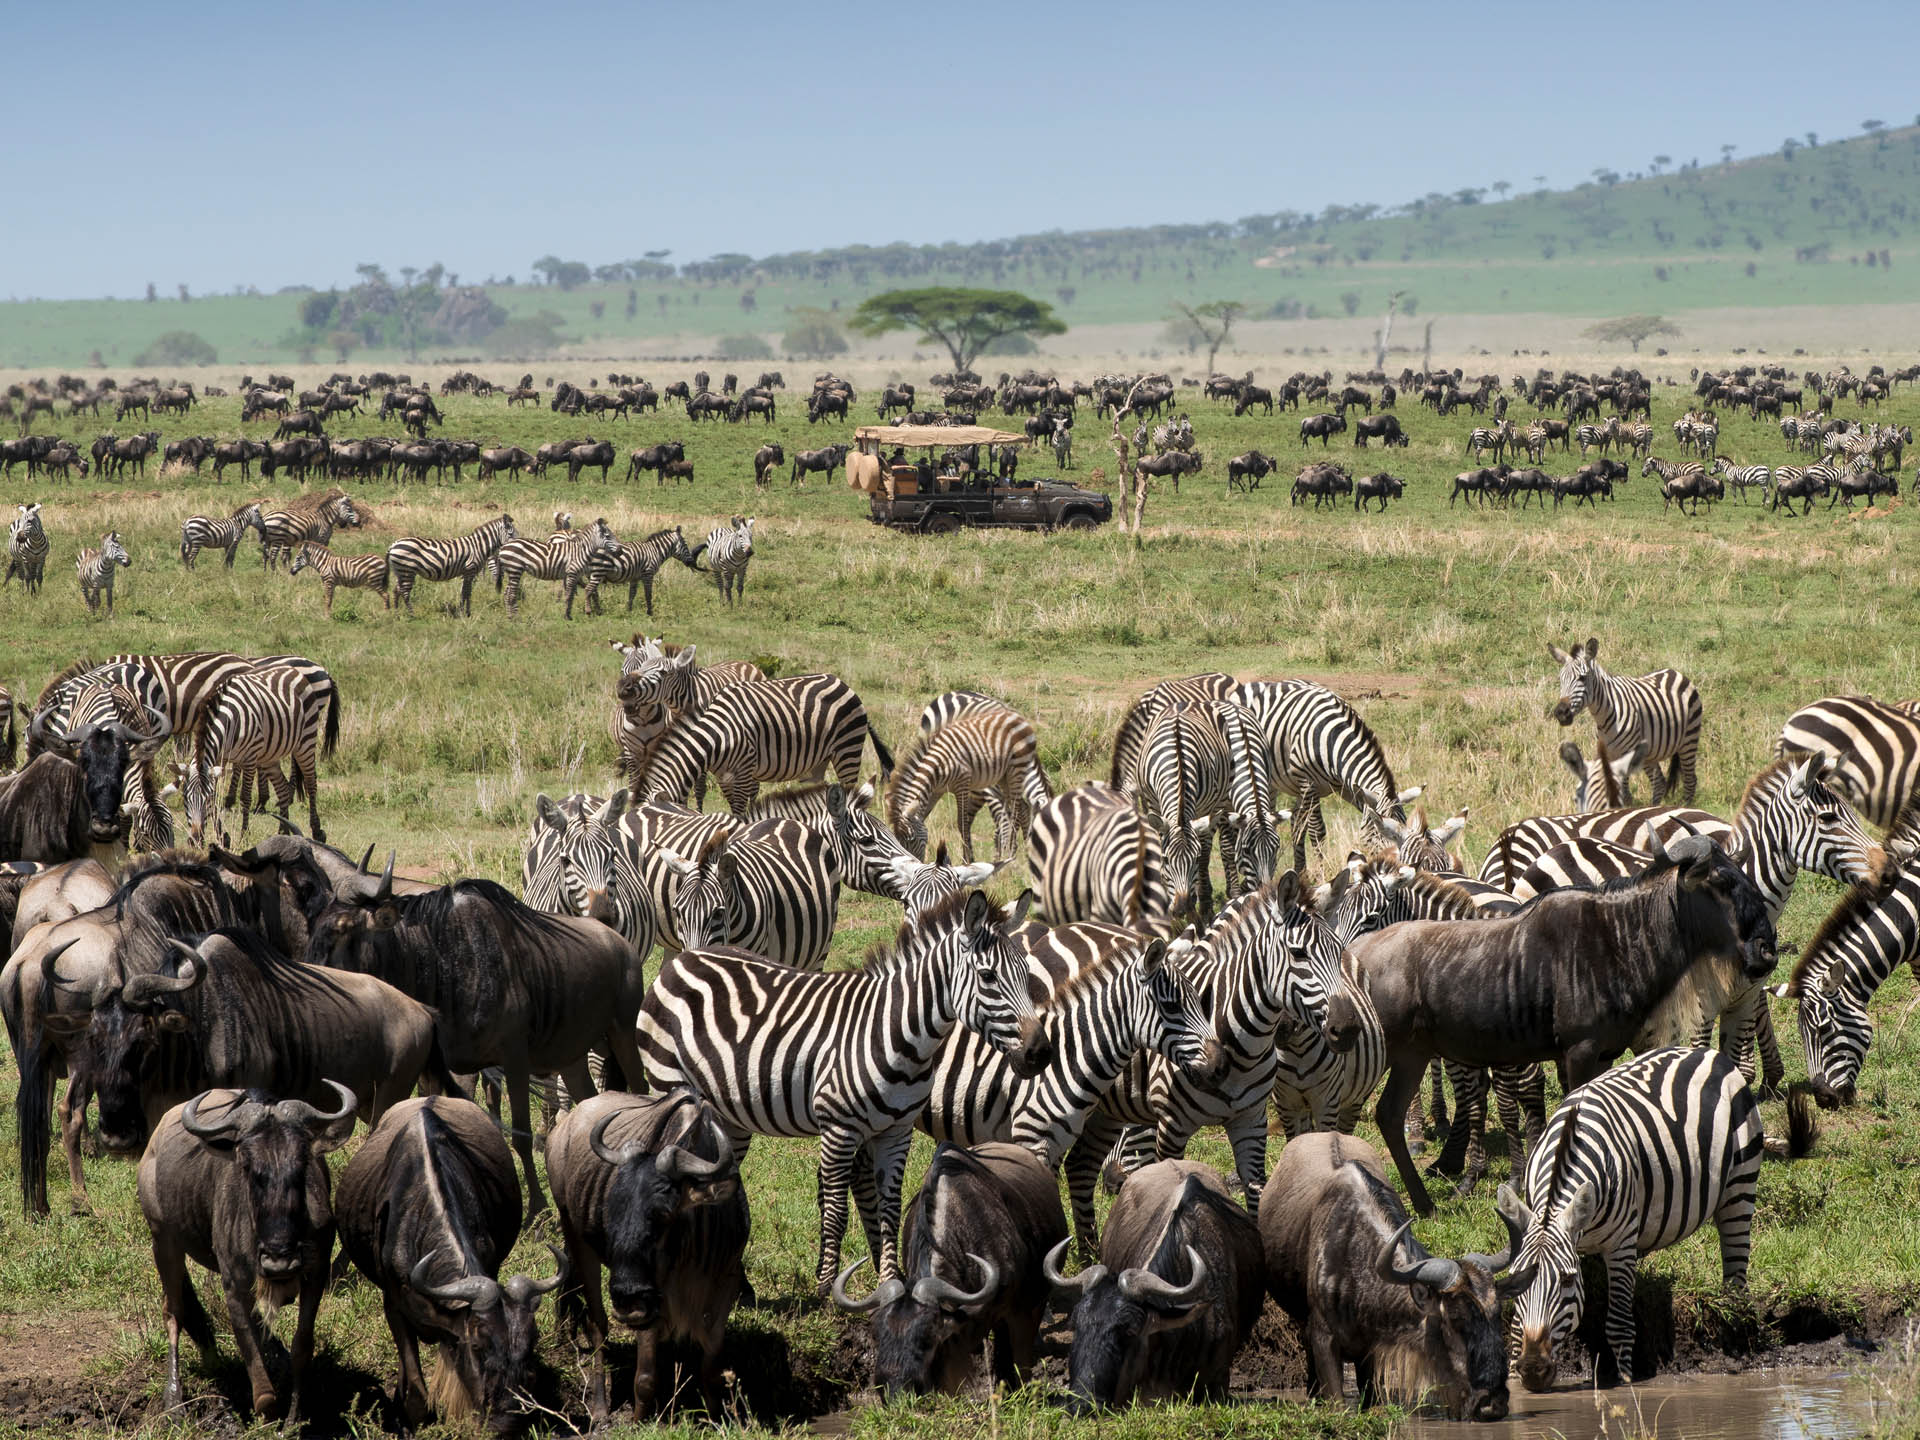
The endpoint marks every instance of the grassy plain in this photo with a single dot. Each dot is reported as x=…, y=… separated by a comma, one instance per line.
x=1434, y=620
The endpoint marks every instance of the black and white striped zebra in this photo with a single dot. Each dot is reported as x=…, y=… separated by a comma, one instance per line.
x=283, y=531
x=662, y=685
x=771, y=887
x=1652, y=718
x=987, y=756
x=27, y=548
x=206, y=532
x=462, y=558
x=793, y=728
x=1186, y=790
x=351, y=572
x=1638, y=437
x=848, y=1055
x=728, y=548
x=1496, y=438
x=1093, y=856
x=95, y=566
x=1130, y=739
x=1595, y=437
x=1582, y=863
x=1636, y=828
x=1633, y=1161
x=635, y=566
x=646, y=833
x=1417, y=842
x=1250, y=833
x=574, y=864
x=258, y=718
x=1320, y=746
x=1672, y=473
x=1865, y=938
x=1745, y=477
x=1873, y=750
x=944, y=707
x=563, y=556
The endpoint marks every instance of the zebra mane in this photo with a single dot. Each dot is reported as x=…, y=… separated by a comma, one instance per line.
x=308, y=503
x=648, y=540
x=1854, y=906
x=1440, y=892
x=944, y=914
x=72, y=672
x=1561, y=1156
x=242, y=509
x=1760, y=783
x=1137, y=885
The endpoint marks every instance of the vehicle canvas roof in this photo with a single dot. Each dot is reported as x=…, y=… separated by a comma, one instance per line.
x=937, y=435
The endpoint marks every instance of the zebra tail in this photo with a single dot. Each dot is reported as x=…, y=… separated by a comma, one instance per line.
x=1803, y=1125
x=880, y=751
x=331, y=737
x=694, y=558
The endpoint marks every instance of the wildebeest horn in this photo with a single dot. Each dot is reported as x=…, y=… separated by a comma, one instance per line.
x=1516, y=1235
x=42, y=736
x=1069, y=1285
x=355, y=887
x=478, y=1291
x=299, y=1112
x=1690, y=850
x=1686, y=825
x=366, y=860
x=521, y=1288
x=1432, y=1271
x=240, y=1118
x=932, y=1290
x=48, y=974
x=145, y=989
x=885, y=1293
x=597, y=1142
x=1147, y=1288
x=676, y=1163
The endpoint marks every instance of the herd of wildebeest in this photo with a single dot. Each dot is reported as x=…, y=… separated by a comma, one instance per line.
x=229, y=1015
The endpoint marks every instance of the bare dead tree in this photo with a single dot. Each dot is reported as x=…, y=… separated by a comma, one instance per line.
x=1133, y=482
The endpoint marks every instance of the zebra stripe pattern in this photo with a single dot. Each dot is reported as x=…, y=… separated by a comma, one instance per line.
x=1745, y=477
x=562, y=556
x=27, y=548
x=284, y=531
x=1636, y=828
x=95, y=566
x=644, y=835
x=984, y=756
x=205, y=532
x=660, y=686
x=635, y=566
x=1633, y=1161
x=728, y=548
x=258, y=718
x=1250, y=839
x=1130, y=740
x=351, y=572
x=1186, y=785
x=573, y=864
x=772, y=887
x=462, y=558
x=1093, y=856
x=848, y=1056
x=1652, y=718
x=1874, y=751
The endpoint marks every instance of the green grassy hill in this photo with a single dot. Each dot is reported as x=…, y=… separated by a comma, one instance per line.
x=1829, y=224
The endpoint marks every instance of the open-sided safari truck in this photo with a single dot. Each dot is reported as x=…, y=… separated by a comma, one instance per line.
x=938, y=492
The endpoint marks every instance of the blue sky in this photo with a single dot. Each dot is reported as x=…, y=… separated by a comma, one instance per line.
x=266, y=144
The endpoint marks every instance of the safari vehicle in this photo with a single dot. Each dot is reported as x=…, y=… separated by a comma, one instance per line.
x=927, y=498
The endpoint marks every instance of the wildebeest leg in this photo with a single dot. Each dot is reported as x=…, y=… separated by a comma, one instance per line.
x=517, y=1087
x=181, y=1306
x=409, y=1387
x=838, y=1146
x=246, y=1338
x=313, y=1284
x=1326, y=1378
x=1403, y=1081
x=1016, y=1343
x=73, y=1128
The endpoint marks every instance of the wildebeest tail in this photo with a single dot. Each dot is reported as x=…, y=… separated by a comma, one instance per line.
x=880, y=751
x=436, y=1071
x=1803, y=1127
x=33, y=1113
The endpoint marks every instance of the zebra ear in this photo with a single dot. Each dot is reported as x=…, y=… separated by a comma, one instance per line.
x=1286, y=890
x=1513, y=1209
x=549, y=813
x=1782, y=991
x=1449, y=831
x=1799, y=777
x=1593, y=647
x=1577, y=1214
x=1020, y=907
x=679, y=865
x=615, y=807
x=1152, y=956
x=1556, y=652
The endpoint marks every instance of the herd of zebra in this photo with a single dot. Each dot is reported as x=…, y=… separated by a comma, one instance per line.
x=297, y=533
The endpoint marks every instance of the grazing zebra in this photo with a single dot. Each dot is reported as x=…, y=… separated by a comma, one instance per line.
x=1595, y=437
x=848, y=1055
x=285, y=530
x=204, y=532
x=1633, y=1161
x=256, y=719
x=943, y=708
x=1651, y=717
x=1093, y=856
x=1745, y=477
x=1186, y=789
x=1636, y=828
x=1320, y=746
x=1250, y=836
x=1873, y=752
x=95, y=566
x=983, y=756
x=1130, y=740
x=353, y=572
x=793, y=728
x=728, y=548
x=416, y=558
x=1418, y=844
x=27, y=549
x=574, y=864
x=562, y=556
x=635, y=566
x=771, y=887
x=1866, y=937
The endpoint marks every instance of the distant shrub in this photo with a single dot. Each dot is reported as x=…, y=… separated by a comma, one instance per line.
x=536, y=334
x=178, y=347
x=743, y=347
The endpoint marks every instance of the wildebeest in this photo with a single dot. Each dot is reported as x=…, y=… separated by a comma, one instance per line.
x=428, y=1210
x=825, y=461
x=235, y=1181
x=654, y=458
x=1384, y=428
x=52, y=893
x=1422, y=1329
x=767, y=459
x=1575, y=977
x=647, y=1186
x=1170, y=465
x=1324, y=482
x=1177, y=1291
x=1381, y=487
x=511, y=986
x=1322, y=428
x=972, y=1248
x=1253, y=464
x=68, y=798
x=1479, y=484
x=510, y=458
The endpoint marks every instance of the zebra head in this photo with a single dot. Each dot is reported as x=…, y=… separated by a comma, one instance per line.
x=1354, y=902
x=1256, y=844
x=1835, y=1031
x=302, y=561
x=585, y=854
x=1185, y=846
x=988, y=968
x=1818, y=829
x=1418, y=844
x=199, y=783
x=1175, y=1022
x=1549, y=1308
x=1576, y=674
x=112, y=550
x=702, y=892
x=1389, y=806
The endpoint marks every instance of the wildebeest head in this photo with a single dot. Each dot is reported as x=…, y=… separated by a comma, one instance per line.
x=1721, y=911
x=497, y=1328
x=914, y=1326
x=272, y=1145
x=114, y=1040
x=586, y=854
x=1576, y=673
x=1115, y=1318
x=363, y=906
x=103, y=752
x=650, y=1198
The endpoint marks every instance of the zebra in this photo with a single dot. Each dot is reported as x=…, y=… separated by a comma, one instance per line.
x=257, y=718
x=643, y=837
x=1495, y=438
x=635, y=566
x=1250, y=836
x=1873, y=750
x=27, y=549
x=204, y=532
x=1595, y=437
x=95, y=567
x=573, y=864
x=1320, y=746
x=1636, y=828
x=848, y=1055
x=1745, y=477
x=1129, y=741
x=414, y=558
x=1093, y=856
x=354, y=572
x=984, y=756
x=943, y=708
x=1186, y=790
x=1651, y=717
x=562, y=556
x=771, y=887
x=728, y=548
x=1673, y=474
x=1633, y=1161
x=792, y=728
x=1638, y=437
x=1419, y=844
x=1536, y=438
x=283, y=531
x=1865, y=938
x=1580, y=863
x=662, y=685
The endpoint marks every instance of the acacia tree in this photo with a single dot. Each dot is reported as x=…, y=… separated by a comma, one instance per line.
x=1631, y=328
x=1212, y=322
x=965, y=321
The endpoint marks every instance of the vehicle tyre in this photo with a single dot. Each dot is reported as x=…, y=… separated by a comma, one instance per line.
x=1080, y=520
x=942, y=524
